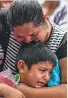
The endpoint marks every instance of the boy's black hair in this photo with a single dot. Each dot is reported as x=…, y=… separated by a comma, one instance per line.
x=25, y=11
x=35, y=52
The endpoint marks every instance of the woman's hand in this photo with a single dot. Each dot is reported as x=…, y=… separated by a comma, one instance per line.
x=10, y=92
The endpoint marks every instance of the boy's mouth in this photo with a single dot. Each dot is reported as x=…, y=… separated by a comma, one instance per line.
x=41, y=84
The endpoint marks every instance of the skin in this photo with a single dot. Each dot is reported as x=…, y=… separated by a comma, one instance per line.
x=58, y=91
x=6, y=3
x=63, y=66
x=34, y=33
x=49, y=7
x=29, y=32
x=9, y=92
x=46, y=92
x=37, y=76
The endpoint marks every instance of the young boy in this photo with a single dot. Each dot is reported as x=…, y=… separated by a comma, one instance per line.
x=34, y=64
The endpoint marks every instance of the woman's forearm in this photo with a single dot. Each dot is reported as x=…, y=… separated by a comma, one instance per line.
x=2, y=89
x=46, y=92
x=10, y=92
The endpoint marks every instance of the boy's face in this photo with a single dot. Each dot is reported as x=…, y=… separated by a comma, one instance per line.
x=38, y=75
x=29, y=32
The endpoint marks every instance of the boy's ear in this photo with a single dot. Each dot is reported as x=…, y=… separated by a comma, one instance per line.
x=21, y=66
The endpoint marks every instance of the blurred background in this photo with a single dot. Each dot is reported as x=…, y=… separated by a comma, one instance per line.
x=5, y=3
x=56, y=10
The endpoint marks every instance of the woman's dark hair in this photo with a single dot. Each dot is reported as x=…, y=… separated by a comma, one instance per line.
x=25, y=11
x=35, y=52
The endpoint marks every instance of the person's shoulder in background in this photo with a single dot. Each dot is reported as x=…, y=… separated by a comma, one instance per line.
x=59, y=16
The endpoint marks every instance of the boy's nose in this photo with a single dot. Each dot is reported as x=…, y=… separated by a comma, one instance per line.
x=46, y=76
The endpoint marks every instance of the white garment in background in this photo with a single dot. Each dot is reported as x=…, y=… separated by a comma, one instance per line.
x=59, y=15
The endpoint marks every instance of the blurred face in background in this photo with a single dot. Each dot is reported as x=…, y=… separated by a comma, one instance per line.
x=5, y=3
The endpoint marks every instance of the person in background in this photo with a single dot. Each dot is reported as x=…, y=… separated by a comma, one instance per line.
x=26, y=21
x=35, y=64
x=5, y=3
x=56, y=11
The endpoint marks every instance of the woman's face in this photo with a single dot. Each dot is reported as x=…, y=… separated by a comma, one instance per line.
x=29, y=32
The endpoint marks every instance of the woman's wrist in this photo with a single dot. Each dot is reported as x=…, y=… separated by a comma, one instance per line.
x=3, y=89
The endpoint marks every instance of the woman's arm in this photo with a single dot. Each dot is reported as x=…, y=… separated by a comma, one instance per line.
x=1, y=89
x=10, y=92
x=46, y=92
x=63, y=66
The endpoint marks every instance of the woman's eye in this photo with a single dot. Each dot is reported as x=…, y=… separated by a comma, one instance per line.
x=33, y=35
